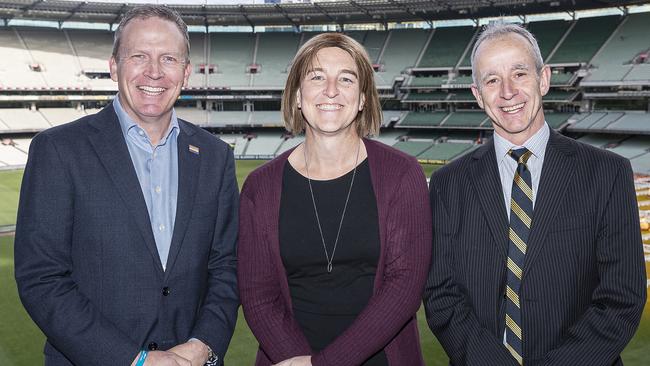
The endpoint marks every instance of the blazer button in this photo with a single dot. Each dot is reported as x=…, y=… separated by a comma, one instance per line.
x=166, y=290
x=152, y=346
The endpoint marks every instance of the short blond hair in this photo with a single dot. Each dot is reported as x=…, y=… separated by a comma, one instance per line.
x=369, y=119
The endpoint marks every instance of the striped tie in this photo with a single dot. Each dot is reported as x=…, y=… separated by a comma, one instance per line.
x=521, y=212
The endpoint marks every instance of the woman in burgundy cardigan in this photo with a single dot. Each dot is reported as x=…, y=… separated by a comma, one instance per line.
x=335, y=235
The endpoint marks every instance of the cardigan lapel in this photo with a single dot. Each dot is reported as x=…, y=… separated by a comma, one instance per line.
x=557, y=172
x=483, y=173
x=188, y=175
x=112, y=151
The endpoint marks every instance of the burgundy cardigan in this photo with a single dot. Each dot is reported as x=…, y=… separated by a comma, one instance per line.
x=388, y=320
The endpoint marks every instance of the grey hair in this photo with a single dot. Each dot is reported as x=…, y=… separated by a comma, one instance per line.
x=151, y=11
x=499, y=30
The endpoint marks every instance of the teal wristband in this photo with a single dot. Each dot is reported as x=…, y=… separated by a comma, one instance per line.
x=142, y=358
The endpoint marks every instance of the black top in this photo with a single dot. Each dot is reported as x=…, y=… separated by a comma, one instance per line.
x=325, y=304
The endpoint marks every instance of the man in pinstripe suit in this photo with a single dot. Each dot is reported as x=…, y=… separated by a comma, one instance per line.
x=537, y=255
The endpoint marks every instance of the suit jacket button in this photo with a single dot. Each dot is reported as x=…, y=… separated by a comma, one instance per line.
x=166, y=290
x=152, y=346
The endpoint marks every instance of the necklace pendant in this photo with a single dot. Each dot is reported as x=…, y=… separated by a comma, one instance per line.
x=329, y=267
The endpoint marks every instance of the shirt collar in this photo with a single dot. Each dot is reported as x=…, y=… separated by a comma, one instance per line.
x=536, y=144
x=127, y=123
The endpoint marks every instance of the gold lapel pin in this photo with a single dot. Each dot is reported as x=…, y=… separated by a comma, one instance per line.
x=194, y=149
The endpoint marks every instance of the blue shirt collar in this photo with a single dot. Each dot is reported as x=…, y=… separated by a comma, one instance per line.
x=536, y=143
x=127, y=123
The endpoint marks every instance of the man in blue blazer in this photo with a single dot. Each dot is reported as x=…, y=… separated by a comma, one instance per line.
x=537, y=255
x=127, y=224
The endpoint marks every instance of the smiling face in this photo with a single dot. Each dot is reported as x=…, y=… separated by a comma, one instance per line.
x=509, y=87
x=329, y=94
x=150, y=69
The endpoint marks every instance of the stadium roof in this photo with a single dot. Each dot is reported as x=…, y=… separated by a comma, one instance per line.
x=297, y=14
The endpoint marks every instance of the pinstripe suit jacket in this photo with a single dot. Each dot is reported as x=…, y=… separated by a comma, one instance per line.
x=583, y=286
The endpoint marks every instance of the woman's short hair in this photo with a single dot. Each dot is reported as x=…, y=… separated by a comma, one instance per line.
x=369, y=119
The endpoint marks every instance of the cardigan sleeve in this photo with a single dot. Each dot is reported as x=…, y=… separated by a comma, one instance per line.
x=397, y=299
x=265, y=310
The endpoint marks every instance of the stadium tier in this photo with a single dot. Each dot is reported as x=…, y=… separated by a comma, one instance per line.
x=417, y=71
x=619, y=122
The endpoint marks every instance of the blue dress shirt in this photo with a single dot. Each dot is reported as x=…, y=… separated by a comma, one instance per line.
x=157, y=170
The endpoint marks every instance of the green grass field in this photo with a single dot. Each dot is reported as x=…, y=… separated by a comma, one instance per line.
x=21, y=342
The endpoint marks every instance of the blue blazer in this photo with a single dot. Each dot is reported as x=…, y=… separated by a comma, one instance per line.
x=584, y=283
x=87, y=267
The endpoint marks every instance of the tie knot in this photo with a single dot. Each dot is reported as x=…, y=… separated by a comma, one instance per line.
x=520, y=155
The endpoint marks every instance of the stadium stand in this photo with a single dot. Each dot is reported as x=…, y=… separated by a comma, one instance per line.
x=556, y=120
x=427, y=81
x=51, y=50
x=402, y=49
x=288, y=143
x=633, y=147
x=15, y=72
x=228, y=118
x=422, y=119
x=600, y=140
x=615, y=60
x=584, y=39
x=231, y=54
x=631, y=122
x=195, y=115
x=200, y=65
x=414, y=148
x=622, y=122
x=274, y=54
x=264, y=145
x=434, y=96
x=443, y=152
x=466, y=119
x=548, y=34
x=23, y=120
x=10, y=155
x=57, y=116
x=446, y=47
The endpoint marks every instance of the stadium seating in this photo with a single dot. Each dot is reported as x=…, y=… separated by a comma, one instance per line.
x=264, y=145
x=428, y=81
x=198, y=60
x=614, y=61
x=274, y=54
x=231, y=53
x=623, y=122
x=444, y=152
x=434, y=96
x=466, y=119
x=401, y=52
x=57, y=116
x=15, y=64
x=22, y=120
x=414, y=148
x=289, y=143
x=422, y=119
x=633, y=147
x=446, y=47
x=584, y=39
x=11, y=155
x=548, y=34
x=195, y=115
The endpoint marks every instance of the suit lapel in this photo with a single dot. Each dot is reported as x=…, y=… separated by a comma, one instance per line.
x=557, y=172
x=111, y=148
x=483, y=172
x=188, y=176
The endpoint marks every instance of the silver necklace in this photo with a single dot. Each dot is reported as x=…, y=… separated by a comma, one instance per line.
x=345, y=207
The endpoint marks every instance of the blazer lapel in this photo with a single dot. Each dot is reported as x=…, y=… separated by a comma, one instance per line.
x=557, y=172
x=188, y=175
x=483, y=172
x=111, y=148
